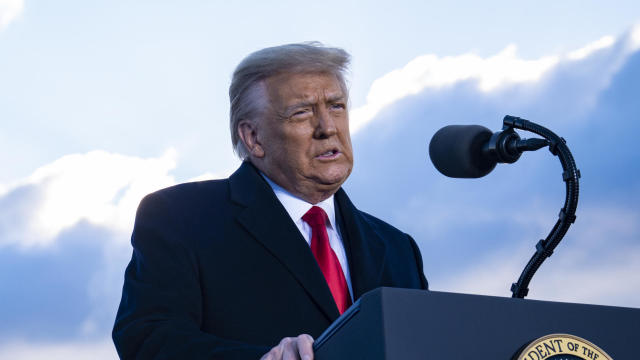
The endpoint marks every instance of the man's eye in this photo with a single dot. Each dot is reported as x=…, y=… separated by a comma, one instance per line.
x=338, y=106
x=302, y=112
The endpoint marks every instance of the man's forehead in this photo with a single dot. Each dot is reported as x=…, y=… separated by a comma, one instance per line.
x=292, y=87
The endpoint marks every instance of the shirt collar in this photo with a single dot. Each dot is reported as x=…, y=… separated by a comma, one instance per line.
x=296, y=207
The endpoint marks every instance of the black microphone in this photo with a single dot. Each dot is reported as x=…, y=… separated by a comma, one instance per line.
x=472, y=151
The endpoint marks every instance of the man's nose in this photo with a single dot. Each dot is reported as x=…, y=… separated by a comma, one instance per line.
x=325, y=123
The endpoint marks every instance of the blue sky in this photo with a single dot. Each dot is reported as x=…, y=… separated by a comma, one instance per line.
x=103, y=102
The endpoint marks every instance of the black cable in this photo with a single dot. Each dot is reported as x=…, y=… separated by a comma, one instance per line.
x=571, y=176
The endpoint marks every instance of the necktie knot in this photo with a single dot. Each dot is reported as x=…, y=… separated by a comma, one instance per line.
x=315, y=217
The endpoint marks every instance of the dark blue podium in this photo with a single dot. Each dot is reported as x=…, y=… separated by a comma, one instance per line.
x=389, y=323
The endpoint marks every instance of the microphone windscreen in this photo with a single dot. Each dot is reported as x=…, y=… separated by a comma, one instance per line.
x=457, y=151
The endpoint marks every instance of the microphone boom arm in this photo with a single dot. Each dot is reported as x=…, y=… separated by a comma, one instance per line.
x=566, y=217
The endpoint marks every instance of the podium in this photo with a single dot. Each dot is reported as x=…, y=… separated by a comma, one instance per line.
x=389, y=323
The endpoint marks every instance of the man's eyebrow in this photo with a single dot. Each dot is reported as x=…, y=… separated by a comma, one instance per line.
x=299, y=104
x=312, y=101
x=336, y=97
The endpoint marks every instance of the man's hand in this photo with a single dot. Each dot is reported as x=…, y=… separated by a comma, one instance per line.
x=297, y=348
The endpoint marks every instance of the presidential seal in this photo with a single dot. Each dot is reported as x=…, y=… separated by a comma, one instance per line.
x=562, y=347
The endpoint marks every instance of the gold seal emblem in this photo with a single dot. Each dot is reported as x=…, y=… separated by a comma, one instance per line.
x=562, y=347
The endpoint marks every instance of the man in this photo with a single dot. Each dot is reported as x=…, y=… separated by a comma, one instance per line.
x=259, y=264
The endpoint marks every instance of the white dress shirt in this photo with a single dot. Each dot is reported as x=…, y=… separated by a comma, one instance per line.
x=296, y=208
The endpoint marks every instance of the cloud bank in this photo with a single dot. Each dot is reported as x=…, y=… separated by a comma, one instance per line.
x=502, y=70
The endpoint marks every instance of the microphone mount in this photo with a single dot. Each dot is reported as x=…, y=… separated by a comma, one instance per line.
x=472, y=151
x=507, y=147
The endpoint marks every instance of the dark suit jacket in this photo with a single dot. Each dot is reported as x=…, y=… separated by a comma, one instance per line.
x=219, y=271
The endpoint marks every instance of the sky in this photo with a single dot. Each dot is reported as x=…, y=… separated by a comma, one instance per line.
x=103, y=102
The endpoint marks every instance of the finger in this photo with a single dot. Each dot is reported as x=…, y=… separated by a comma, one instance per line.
x=275, y=353
x=290, y=349
x=305, y=347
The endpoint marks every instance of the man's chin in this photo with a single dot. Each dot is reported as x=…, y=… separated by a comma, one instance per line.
x=334, y=180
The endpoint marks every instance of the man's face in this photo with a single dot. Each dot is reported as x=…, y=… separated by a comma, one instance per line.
x=305, y=134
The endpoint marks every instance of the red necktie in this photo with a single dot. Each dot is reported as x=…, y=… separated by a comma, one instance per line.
x=327, y=259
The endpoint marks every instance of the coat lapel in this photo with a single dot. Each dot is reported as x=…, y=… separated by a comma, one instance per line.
x=365, y=247
x=269, y=223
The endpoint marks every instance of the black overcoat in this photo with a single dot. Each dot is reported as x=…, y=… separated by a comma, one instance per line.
x=220, y=271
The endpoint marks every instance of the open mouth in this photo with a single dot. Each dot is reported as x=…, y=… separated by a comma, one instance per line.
x=330, y=154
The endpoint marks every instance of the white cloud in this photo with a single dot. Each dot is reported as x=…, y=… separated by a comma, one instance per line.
x=431, y=71
x=99, y=187
x=491, y=73
x=9, y=11
x=602, y=43
x=58, y=351
x=634, y=37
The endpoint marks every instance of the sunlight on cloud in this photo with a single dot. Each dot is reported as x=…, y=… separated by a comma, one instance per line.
x=490, y=74
x=431, y=71
x=100, y=187
x=602, y=43
x=634, y=38
x=9, y=11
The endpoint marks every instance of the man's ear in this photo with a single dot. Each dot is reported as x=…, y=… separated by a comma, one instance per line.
x=248, y=133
